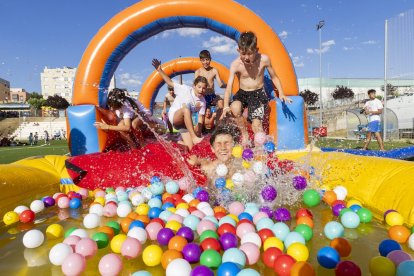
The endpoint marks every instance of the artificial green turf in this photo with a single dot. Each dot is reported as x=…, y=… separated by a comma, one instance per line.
x=354, y=144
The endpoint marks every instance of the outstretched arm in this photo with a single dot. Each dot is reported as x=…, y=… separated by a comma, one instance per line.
x=276, y=81
x=157, y=65
x=229, y=88
x=219, y=81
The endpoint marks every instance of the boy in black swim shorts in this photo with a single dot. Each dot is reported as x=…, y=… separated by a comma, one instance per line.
x=249, y=68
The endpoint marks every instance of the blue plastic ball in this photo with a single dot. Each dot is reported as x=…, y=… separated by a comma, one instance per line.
x=281, y=230
x=248, y=272
x=165, y=215
x=154, y=212
x=234, y=255
x=355, y=208
x=264, y=223
x=75, y=203
x=167, y=205
x=386, y=246
x=328, y=257
x=292, y=238
x=155, y=202
x=220, y=183
x=136, y=223
x=269, y=146
x=157, y=188
x=333, y=230
x=155, y=179
x=245, y=215
x=191, y=221
x=350, y=220
x=405, y=268
x=141, y=273
x=172, y=187
x=228, y=269
x=196, y=191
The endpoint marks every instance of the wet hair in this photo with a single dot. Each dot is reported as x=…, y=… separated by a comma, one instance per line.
x=247, y=41
x=205, y=54
x=226, y=127
x=371, y=91
x=200, y=79
x=117, y=98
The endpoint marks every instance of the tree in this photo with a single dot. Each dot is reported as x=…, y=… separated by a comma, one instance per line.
x=309, y=97
x=391, y=89
x=57, y=102
x=342, y=92
x=36, y=103
x=35, y=95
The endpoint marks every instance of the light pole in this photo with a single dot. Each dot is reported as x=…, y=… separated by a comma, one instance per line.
x=319, y=29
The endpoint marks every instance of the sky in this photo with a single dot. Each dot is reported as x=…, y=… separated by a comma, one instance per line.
x=51, y=33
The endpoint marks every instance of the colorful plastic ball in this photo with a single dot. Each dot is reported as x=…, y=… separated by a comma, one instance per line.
x=302, y=269
x=91, y=221
x=141, y=273
x=269, y=193
x=178, y=267
x=177, y=243
x=305, y=220
x=59, y=252
x=155, y=179
x=269, y=146
x=114, y=225
x=210, y=258
x=248, y=154
x=202, y=270
x=342, y=246
x=328, y=257
x=345, y=210
x=398, y=256
x=172, y=187
x=220, y=183
x=411, y=242
x=208, y=234
x=405, y=268
x=74, y=264
x=394, y=218
x=72, y=241
x=86, y=247
x=186, y=233
x=350, y=220
x=269, y=256
x=235, y=255
x=244, y=228
x=252, y=252
x=298, y=251
x=264, y=223
x=293, y=237
x=264, y=234
x=110, y=264
x=228, y=240
x=258, y=167
x=168, y=256
x=10, y=217
x=33, y=238
x=191, y=252
x=37, y=206
x=210, y=243
x=354, y=207
x=399, y=233
x=333, y=230
x=305, y=231
x=27, y=216
x=311, y=198
x=19, y=209
x=237, y=151
x=299, y=182
x=283, y=265
x=131, y=248
x=282, y=214
x=226, y=228
x=248, y=272
x=281, y=230
x=379, y=266
x=75, y=203
x=48, y=201
x=228, y=269
x=329, y=197
x=347, y=268
x=117, y=241
x=365, y=215
x=273, y=242
x=386, y=246
x=152, y=255
x=337, y=208
x=236, y=208
x=164, y=236
x=222, y=170
x=267, y=210
x=260, y=138
x=191, y=221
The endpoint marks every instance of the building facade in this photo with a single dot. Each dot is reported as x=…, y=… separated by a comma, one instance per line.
x=4, y=91
x=58, y=81
x=18, y=95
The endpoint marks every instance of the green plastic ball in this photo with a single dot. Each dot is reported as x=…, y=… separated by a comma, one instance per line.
x=210, y=258
x=114, y=225
x=69, y=231
x=305, y=231
x=102, y=239
x=208, y=234
x=364, y=215
x=311, y=198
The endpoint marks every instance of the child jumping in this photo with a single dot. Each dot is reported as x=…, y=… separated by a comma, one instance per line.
x=188, y=100
x=210, y=73
x=249, y=68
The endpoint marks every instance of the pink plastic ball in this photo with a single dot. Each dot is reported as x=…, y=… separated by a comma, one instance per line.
x=252, y=252
x=152, y=229
x=258, y=216
x=183, y=183
x=236, y=208
x=83, y=192
x=109, y=210
x=205, y=225
x=110, y=264
x=249, y=176
x=86, y=247
x=244, y=228
x=176, y=218
x=74, y=264
x=131, y=248
x=198, y=214
x=63, y=202
x=100, y=194
x=260, y=138
x=72, y=241
x=120, y=189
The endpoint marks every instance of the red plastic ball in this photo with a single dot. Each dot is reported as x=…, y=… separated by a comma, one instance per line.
x=160, y=221
x=303, y=212
x=27, y=216
x=338, y=202
x=226, y=228
x=176, y=197
x=270, y=255
x=347, y=268
x=210, y=243
x=265, y=233
x=60, y=196
x=283, y=264
x=244, y=221
x=169, y=199
x=191, y=209
x=219, y=215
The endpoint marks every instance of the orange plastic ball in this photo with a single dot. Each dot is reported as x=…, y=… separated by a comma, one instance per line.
x=329, y=197
x=170, y=255
x=342, y=246
x=144, y=219
x=194, y=203
x=305, y=220
x=399, y=233
x=218, y=209
x=109, y=231
x=165, y=196
x=133, y=216
x=177, y=243
x=302, y=269
x=125, y=222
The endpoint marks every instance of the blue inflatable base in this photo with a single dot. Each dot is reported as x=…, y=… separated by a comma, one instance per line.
x=400, y=153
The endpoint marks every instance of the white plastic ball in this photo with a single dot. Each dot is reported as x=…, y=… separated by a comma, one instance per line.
x=59, y=252
x=222, y=170
x=137, y=199
x=139, y=234
x=55, y=195
x=341, y=192
x=253, y=238
x=258, y=167
x=238, y=179
x=123, y=210
x=37, y=206
x=172, y=187
x=202, y=205
x=33, y=238
x=81, y=233
x=208, y=211
x=96, y=209
x=188, y=197
x=178, y=267
x=182, y=212
x=147, y=194
x=411, y=241
x=19, y=209
x=91, y=221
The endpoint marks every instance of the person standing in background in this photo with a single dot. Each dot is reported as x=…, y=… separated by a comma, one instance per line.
x=373, y=108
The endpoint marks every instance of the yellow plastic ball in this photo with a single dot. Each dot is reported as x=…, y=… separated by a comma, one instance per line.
x=10, y=217
x=380, y=265
x=233, y=216
x=152, y=255
x=142, y=209
x=394, y=218
x=117, y=241
x=173, y=225
x=273, y=242
x=54, y=231
x=246, y=164
x=353, y=202
x=298, y=251
x=172, y=209
x=100, y=200
x=237, y=151
x=229, y=184
x=182, y=206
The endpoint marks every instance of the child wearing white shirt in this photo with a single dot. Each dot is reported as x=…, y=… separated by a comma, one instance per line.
x=373, y=108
